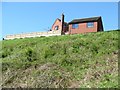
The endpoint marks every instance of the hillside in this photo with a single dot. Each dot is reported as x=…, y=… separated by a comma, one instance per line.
x=81, y=60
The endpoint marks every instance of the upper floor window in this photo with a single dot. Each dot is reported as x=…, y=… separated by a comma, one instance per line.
x=90, y=24
x=56, y=27
x=74, y=26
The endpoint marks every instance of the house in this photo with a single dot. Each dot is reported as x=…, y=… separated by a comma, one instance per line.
x=60, y=27
x=77, y=26
x=85, y=25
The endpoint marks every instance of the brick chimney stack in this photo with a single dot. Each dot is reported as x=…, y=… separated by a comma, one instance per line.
x=62, y=21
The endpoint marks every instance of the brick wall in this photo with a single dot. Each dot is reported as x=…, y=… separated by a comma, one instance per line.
x=82, y=28
x=57, y=23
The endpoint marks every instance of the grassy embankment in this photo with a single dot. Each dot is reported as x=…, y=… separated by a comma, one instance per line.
x=83, y=60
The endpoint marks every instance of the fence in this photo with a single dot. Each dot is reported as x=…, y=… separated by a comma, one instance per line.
x=34, y=34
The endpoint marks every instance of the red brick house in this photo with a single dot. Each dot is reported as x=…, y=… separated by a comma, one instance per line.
x=60, y=25
x=85, y=25
x=76, y=26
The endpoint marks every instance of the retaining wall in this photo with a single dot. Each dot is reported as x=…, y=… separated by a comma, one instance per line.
x=33, y=34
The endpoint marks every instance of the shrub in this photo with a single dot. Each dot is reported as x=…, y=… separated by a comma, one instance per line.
x=76, y=47
x=49, y=53
x=5, y=53
x=30, y=54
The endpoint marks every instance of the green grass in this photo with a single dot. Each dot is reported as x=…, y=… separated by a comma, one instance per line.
x=81, y=60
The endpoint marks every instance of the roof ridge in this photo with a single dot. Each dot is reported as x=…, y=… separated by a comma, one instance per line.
x=87, y=17
x=59, y=19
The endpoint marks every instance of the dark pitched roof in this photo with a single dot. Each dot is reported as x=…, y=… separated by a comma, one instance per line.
x=85, y=20
x=60, y=21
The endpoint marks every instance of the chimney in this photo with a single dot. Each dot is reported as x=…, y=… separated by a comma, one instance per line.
x=62, y=21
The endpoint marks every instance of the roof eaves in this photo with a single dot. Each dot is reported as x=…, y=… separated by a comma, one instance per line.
x=84, y=20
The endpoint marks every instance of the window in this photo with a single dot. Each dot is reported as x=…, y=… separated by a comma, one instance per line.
x=56, y=27
x=74, y=26
x=90, y=24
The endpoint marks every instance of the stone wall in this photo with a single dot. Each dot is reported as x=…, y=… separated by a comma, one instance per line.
x=33, y=34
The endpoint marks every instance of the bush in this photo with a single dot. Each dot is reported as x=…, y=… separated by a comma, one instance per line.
x=30, y=54
x=49, y=53
x=5, y=53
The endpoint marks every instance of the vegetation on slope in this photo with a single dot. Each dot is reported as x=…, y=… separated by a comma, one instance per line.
x=83, y=60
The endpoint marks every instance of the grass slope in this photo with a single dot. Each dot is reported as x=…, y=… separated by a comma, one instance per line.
x=83, y=60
